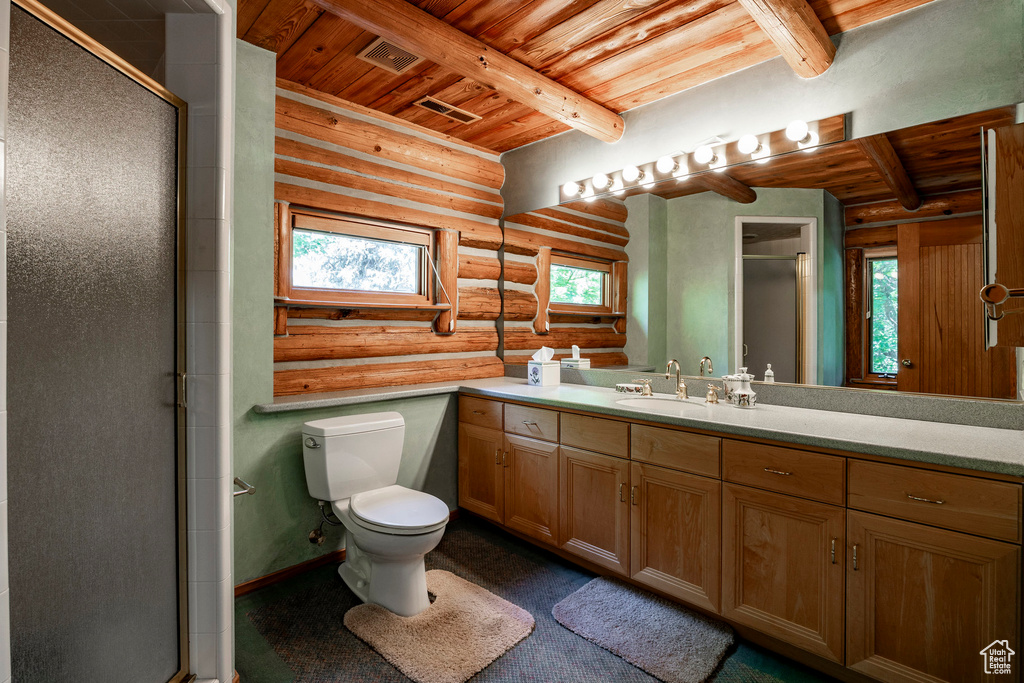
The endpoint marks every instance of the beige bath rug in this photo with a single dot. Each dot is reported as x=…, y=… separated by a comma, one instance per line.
x=664, y=639
x=464, y=630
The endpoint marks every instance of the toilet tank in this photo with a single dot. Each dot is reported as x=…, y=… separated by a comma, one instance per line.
x=347, y=455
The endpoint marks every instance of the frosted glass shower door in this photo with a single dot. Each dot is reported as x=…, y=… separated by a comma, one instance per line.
x=92, y=204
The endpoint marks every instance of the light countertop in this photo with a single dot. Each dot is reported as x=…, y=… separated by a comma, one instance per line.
x=979, y=448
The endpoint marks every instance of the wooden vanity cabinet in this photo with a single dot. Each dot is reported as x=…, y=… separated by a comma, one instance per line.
x=923, y=602
x=783, y=567
x=481, y=473
x=675, y=533
x=594, y=514
x=531, y=487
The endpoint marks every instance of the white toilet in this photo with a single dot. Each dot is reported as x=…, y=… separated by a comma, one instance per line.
x=352, y=462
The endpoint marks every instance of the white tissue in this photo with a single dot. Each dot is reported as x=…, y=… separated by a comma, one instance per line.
x=545, y=354
x=575, y=352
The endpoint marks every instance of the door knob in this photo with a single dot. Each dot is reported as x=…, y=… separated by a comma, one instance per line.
x=906, y=362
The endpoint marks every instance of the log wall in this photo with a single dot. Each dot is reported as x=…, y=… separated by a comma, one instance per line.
x=593, y=229
x=336, y=156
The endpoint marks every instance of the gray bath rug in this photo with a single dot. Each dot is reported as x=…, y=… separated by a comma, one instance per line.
x=464, y=630
x=664, y=639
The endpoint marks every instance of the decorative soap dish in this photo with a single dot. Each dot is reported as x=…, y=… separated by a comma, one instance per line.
x=629, y=388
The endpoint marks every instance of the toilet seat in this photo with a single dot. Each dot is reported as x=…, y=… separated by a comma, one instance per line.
x=398, y=510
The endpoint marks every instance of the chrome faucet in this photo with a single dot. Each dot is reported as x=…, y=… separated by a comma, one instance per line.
x=680, y=384
x=707, y=360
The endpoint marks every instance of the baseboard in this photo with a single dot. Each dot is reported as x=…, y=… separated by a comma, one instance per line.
x=301, y=568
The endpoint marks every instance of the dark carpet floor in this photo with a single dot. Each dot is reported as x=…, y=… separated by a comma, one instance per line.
x=292, y=632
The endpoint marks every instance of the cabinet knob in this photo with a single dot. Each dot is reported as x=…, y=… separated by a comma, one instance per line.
x=622, y=492
x=906, y=363
x=854, y=557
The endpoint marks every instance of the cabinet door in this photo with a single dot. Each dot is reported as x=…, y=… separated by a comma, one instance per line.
x=924, y=602
x=675, y=527
x=481, y=477
x=531, y=487
x=594, y=515
x=782, y=567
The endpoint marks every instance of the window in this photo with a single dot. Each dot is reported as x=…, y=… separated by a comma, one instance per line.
x=580, y=285
x=343, y=260
x=882, y=308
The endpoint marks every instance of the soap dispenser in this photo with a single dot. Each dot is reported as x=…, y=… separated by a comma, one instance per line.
x=769, y=374
x=745, y=395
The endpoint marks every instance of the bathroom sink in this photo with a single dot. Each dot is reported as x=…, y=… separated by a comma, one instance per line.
x=653, y=404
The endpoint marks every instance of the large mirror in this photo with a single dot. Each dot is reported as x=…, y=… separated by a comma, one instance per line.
x=856, y=263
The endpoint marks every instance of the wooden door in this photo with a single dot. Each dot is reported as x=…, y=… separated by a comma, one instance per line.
x=940, y=317
x=481, y=475
x=782, y=567
x=594, y=514
x=531, y=487
x=924, y=602
x=675, y=530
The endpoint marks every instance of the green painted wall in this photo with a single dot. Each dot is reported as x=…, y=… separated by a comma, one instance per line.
x=271, y=527
x=645, y=339
x=701, y=272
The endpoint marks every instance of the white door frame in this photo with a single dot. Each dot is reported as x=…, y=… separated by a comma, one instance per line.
x=809, y=236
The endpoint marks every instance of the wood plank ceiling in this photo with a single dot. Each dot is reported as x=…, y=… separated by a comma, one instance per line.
x=619, y=53
x=940, y=157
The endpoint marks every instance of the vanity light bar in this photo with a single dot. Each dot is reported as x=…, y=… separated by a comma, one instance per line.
x=713, y=156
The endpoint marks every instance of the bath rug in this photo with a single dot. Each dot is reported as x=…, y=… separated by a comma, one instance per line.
x=463, y=631
x=664, y=639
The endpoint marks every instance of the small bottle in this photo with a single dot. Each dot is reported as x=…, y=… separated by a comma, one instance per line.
x=769, y=375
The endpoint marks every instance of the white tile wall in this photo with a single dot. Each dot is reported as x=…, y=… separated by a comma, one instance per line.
x=5, y=594
x=200, y=70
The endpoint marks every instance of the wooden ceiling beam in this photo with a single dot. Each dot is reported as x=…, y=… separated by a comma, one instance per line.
x=423, y=34
x=797, y=32
x=725, y=185
x=883, y=157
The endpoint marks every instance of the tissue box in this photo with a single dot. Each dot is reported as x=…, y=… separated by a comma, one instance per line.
x=578, y=363
x=543, y=373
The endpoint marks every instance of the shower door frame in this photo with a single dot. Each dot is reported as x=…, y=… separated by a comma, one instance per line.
x=104, y=54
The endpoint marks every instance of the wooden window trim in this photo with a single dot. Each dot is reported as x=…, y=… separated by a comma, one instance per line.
x=576, y=261
x=867, y=377
x=323, y=221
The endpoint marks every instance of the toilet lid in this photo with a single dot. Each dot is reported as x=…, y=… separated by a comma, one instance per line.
x=396, y=507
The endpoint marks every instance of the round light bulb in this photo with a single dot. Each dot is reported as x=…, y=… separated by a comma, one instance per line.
x=748, y=144
x=704, y=154
x=797, y=131
x=683, y=170
x=601, y=181
x=617, y=188
x=810, y=142
x=571, y=189
x=666, y=164
x=631, y=174
x=588, y=195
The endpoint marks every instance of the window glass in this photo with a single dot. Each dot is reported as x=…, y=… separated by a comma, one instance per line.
x=884, y=305
x=572, y=285
x=325, y=260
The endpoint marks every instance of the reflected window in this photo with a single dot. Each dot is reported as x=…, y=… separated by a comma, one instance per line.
x=883, y=315
x=580, y=285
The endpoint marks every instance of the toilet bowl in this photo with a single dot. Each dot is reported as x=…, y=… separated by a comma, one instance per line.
x=352, y=462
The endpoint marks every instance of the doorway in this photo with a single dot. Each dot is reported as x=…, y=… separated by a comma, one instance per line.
x=776, y=300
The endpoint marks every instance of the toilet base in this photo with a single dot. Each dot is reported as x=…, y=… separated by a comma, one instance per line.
x=398, y=585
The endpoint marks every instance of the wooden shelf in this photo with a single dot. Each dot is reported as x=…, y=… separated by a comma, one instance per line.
x=361, y=305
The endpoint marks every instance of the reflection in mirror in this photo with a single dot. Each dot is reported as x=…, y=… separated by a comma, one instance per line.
x=853, y=264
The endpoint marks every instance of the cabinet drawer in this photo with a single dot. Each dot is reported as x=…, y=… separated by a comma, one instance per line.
x=786, y=470
x=535, y=422
x=954, y=501
x=679, y=450
x=480, y=412
x=595, y=434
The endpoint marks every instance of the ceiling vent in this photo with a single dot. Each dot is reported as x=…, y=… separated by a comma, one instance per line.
x=445, y=109
x=389, y=56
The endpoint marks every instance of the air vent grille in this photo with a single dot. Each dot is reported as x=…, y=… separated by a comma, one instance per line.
x=445, y=109
x=389, y=56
